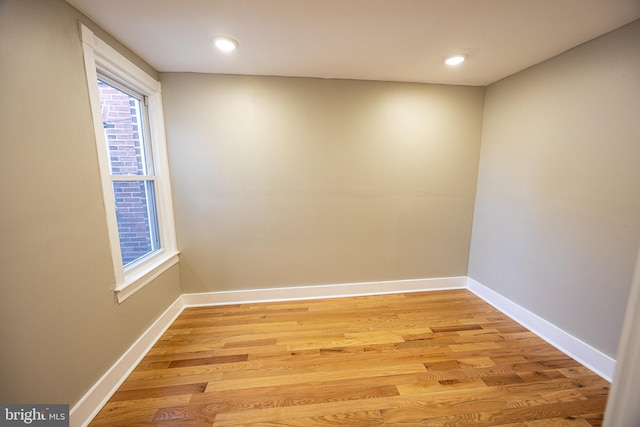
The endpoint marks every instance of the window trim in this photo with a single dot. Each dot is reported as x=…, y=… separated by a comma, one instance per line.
x=98, y=55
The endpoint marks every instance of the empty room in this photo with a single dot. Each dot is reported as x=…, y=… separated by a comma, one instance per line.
x=314, y=213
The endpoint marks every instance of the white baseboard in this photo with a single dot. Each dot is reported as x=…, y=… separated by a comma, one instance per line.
x=588, y=356
x=88, y=407
x=323, y=291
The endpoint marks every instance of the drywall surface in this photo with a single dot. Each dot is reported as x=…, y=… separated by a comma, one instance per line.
x=297, y=181
x=557, y=215
x=60, y=326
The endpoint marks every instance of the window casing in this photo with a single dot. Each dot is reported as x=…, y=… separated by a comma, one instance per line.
x=128, y=121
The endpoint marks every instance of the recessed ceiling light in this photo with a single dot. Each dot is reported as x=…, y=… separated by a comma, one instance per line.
x=224, y=43
x=455, y=59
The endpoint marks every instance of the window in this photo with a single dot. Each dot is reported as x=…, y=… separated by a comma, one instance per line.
x=127, y=112
x=124, y=117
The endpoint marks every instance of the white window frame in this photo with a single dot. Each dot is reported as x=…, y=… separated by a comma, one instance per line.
x=100, y=56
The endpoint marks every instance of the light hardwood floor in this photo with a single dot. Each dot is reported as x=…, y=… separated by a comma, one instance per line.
x=441, y=358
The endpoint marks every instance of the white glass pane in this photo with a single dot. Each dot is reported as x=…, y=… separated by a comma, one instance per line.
x=122, y=122
x=137, y=219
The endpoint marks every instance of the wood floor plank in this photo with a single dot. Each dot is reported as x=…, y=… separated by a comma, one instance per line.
x=287, y=412
x=314, y=378
x=279, y=397
x=164, y=379
x=151, y=392
x=417, y=359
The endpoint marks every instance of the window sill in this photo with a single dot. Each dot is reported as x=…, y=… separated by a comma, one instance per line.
x=142, y=276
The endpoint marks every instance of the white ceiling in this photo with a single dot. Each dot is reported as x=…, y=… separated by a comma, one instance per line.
x=398, y=40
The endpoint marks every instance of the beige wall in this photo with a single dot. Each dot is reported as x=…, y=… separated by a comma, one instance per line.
x=557, y=218
x=60, y=327
x=293, y=181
